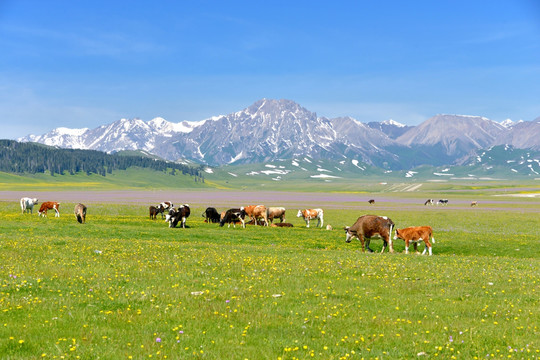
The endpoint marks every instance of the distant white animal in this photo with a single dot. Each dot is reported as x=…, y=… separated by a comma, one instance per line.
x=28, y=204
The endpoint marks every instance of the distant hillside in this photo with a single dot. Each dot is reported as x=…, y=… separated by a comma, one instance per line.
x=32, y=158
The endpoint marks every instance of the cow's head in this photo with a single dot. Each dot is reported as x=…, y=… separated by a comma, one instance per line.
x=299, y=213
x=398, y=235
x=350, y=234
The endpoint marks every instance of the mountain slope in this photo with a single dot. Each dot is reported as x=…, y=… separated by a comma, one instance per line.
x=270, y=130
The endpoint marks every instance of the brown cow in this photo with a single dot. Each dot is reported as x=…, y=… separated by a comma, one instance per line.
x=48, y=205
x=310, y=214
x=371, y=226
x=154, y=211
x=257, y=212
x=371, y=201
x=416, y=234
x=474, y=203
x=275, y=213
x=80, y=213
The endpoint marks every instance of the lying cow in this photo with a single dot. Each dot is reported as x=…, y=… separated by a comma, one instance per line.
x=178, y=216
x=211, y=215
x=80, y=213
x=371, y=226
x=282, y=224
x=416, y=234
x=233, y=216
x=48, y=205
x=27, y=204
x=310, y=214
x=256, y=212
x=275, y=213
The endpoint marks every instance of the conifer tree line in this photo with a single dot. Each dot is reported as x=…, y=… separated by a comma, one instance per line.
x=32, y=158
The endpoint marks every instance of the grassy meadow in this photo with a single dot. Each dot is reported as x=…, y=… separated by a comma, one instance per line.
x=122, y=286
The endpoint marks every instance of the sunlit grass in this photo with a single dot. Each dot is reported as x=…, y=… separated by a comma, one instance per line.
x=123, y=286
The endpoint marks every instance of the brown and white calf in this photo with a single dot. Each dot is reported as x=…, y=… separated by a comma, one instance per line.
x=275, y=213
x=48, y=205
x=415, y=234
x=27, y=204
x=310, y=214
x=371, y=226
x=80, y=213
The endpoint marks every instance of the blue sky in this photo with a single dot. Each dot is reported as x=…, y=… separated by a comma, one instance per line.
x=88, y=63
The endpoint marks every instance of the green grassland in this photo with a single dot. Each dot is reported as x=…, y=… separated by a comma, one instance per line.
x=122, y=286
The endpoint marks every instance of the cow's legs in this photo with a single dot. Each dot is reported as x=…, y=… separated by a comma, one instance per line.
x=361, y=238
x=368, y=241
x=307, y=222
x=406, y=246
x=384, y=245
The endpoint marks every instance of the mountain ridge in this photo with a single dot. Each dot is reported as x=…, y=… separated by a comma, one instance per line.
x=271, y=129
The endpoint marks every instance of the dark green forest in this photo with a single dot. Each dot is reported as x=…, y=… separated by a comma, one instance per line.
x=32, y=158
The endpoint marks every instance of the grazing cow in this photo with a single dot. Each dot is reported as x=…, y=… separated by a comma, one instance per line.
x=428, y=202
x=80, y=213
x=28, y=204
x=474, y=203
x=48, y=205
x=282, y=224
x=442, y=202
x=371, y=226
x=310, y=214
x=275, y=213
x=211, y=215
x=256, y=212
x=233, y=216
x=371, y=202
x=153, y=210
x=416, y=234
x=175, y=216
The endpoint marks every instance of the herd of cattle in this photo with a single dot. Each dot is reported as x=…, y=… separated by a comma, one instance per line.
x=365, y=228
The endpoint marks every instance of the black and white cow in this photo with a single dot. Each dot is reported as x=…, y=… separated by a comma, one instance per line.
x=442, y=202
x=211, y=215
x=175, y=216
x=27, y=204
x=233, y=216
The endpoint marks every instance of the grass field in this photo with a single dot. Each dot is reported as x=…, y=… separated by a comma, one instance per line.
x=125, y=287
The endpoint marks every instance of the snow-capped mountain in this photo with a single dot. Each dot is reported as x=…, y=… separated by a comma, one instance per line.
x=282, y=129
x=391, y=128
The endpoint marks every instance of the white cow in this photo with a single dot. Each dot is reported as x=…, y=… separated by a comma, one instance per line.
x=28, y=204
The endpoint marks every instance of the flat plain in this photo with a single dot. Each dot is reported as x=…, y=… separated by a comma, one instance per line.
x=125, y=286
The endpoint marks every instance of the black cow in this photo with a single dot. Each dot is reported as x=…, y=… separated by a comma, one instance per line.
x=174, y=216
x=211, y=215
x=233, y=216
